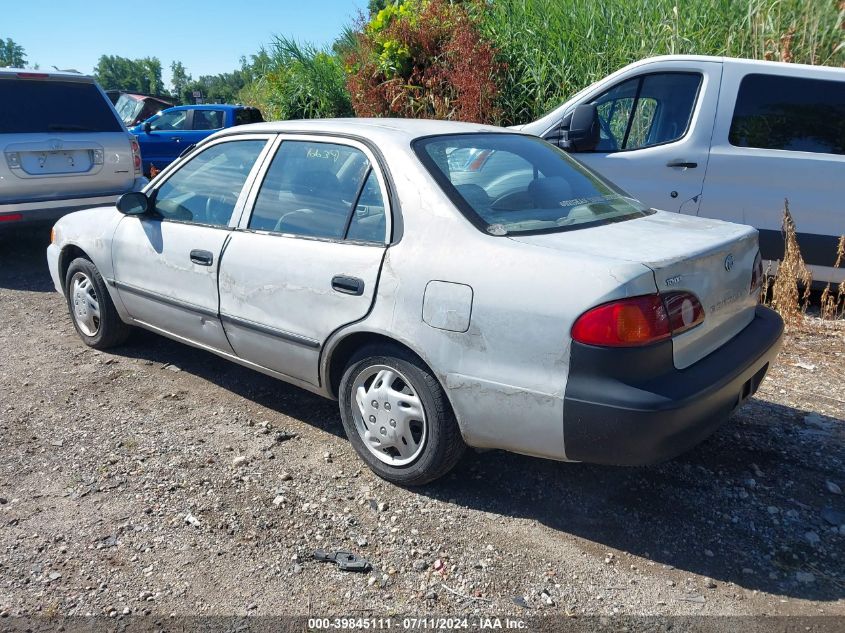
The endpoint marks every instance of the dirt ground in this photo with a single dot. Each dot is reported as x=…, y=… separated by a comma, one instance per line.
x=122, y=492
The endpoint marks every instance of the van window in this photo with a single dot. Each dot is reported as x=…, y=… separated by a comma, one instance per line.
x=647, y=110
x=790, y=113
x=40, y=105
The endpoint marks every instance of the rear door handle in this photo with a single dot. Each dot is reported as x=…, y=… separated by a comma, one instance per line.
x=348, y=285
x=176, y=138
x=681, y=163
x=203, y=258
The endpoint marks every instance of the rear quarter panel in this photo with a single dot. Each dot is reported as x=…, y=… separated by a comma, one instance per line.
x=506, y=374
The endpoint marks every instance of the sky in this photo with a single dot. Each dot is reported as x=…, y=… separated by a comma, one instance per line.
x=207, y=36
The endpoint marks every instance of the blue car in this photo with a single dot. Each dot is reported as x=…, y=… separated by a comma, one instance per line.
x=164, y=136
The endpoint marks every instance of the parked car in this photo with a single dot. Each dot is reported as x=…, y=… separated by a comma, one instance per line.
x=554, y=317
x=166, y=135
x=63, y=147
x=136, y=108
x=720, y=138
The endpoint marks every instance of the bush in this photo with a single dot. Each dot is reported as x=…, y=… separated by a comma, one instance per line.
x=423, y=59
x=297, y=81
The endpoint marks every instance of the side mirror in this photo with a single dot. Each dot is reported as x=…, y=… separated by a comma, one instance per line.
x=584, y=128
x=148, y=127
x=133, y=203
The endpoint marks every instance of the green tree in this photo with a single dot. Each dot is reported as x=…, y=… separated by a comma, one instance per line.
x=180, y=80
x=114, y=72
x=12, y=54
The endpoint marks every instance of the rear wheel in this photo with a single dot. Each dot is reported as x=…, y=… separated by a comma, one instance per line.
x=397, y=417
x=91, y=309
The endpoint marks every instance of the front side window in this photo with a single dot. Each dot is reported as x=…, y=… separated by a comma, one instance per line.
x=166, y=121
x=321, y=190
x=208, y=119
x=789, y=113
x=521, y=184
x=205, y=189
x=646, y=111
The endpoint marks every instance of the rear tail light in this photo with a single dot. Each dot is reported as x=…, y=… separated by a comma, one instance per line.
x=11, y=217
x=638, y=321
x=136, y=155
x=757, y=274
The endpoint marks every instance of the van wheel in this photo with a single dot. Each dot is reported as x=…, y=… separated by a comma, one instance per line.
x=397, y=416
x=91, y=309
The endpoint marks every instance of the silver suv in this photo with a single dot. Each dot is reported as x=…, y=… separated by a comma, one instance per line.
x=63, y=147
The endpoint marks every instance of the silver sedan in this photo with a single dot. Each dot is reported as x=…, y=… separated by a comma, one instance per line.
x=449, y=284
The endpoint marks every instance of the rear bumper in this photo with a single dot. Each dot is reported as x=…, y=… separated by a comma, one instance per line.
x=632, y=407
x=48, y=211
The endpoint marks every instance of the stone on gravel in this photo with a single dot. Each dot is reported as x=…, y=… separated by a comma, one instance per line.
x=240, y=460
x=190, y=518
x=833, y=487
x=834, y=517
x=812, y=538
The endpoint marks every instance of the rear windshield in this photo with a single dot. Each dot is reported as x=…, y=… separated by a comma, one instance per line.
x=34, y=105
x=510, y=184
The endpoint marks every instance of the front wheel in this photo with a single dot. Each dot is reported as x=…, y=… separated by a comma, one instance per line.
x=91, y=309
x=397, y=416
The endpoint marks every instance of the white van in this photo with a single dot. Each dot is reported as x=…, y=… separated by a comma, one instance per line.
x=721, y=138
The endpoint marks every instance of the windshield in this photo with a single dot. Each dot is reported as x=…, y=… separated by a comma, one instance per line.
x=127, y=108
x=513, y=184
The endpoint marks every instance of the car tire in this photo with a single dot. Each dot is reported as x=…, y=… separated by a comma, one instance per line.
x=91, y=309
x=434, y=443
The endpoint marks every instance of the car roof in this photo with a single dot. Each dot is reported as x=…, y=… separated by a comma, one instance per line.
x=30, y=74
x=209, y=106
x=381, y=130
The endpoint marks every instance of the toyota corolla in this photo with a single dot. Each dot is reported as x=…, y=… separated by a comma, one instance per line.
x=450, y=284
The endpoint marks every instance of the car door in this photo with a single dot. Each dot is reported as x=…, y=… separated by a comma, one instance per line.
x=166, y=261
x=779, y=136
x=306, y=258
x=165, y=140
x=656, y=125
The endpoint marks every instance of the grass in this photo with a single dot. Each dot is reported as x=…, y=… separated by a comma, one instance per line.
x=833, y=302
x=553, y=48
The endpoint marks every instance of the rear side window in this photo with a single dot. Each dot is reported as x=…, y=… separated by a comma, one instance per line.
x=248, y=115
x=208, y=119
x=321, y=190
x=37, y=105
x=790, y=113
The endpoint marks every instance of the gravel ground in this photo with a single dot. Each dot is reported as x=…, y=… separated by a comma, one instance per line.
x=160, y=479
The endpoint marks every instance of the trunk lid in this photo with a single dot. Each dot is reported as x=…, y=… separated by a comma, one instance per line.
x=712, y=259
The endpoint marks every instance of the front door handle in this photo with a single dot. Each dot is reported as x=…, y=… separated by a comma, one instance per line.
x=681, y=163
x=348, y=285
x=176, y=138
x=203, y=258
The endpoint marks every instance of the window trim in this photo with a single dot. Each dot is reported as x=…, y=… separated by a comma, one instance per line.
x=332, y=139
x=641, y=77
x=151, y=190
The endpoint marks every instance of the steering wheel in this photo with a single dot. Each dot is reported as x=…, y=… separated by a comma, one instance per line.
x=499, y=203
